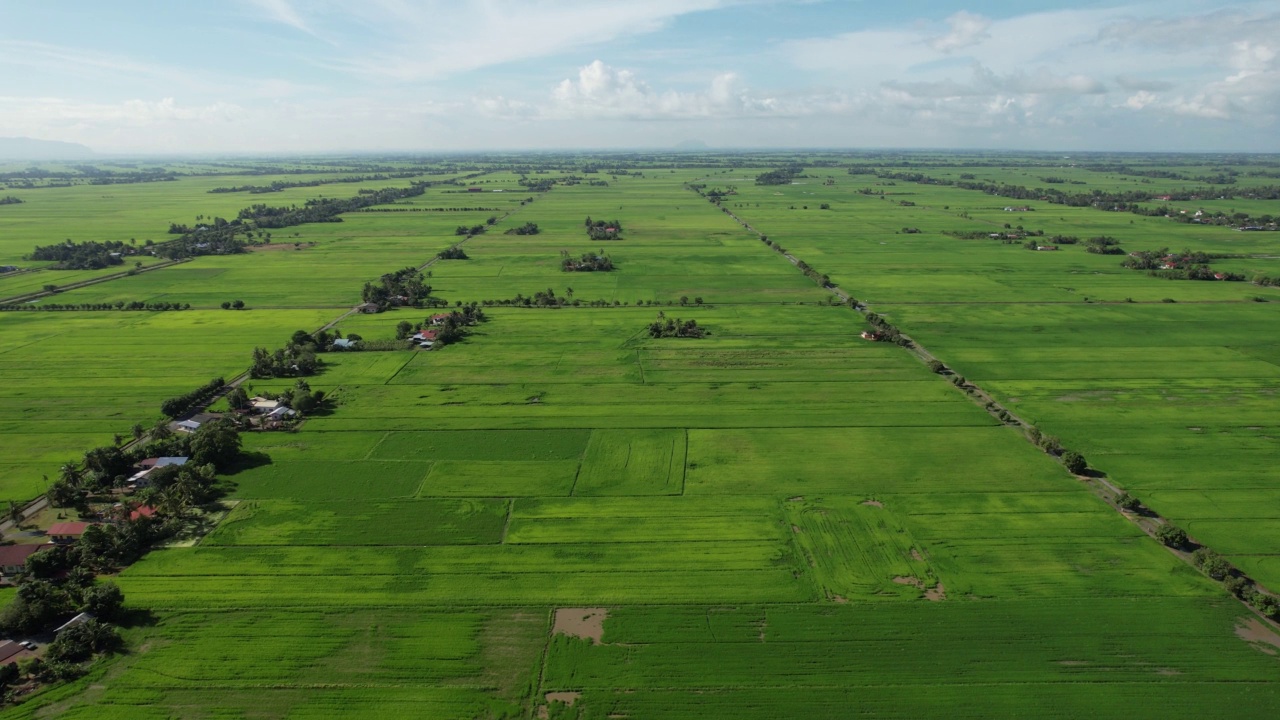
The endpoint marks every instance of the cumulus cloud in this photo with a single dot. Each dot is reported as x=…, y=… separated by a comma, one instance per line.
x=966, y=30
x=988, y=83
x=600, y=90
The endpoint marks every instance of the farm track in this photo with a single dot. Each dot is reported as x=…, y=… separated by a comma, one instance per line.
x=1148, y=521
x=93, y=281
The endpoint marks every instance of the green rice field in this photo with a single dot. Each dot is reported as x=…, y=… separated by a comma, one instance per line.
x=562, y=516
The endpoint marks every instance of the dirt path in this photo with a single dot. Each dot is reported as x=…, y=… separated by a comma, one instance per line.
x=92, y=281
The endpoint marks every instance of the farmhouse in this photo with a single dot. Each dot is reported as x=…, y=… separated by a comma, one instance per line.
x=66, y=531
x=343, y=344
x=475, y=189
x=1046, y=247
x=187, y=426
x=869, y=335
x=367, y=308
x=263, y=405
x=438, y=319
x=142, y=511
x=77, y=620
x=13, y=558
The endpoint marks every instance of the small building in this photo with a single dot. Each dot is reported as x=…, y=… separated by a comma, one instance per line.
x=159, y=462
x=13, y=558
x=1046, y=247
x=189, y=426
x=66, y=531
x=438, y=319
x=868, y=335
x=1219, y=276
x=343, y=344
x=425, y=336
x=281, y=413
x=367, y=308
x=263, y=405
x=475, y=189
x=77, y=620
x=142, y=511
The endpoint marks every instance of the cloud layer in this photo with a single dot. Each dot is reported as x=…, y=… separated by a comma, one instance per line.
x=470, y=74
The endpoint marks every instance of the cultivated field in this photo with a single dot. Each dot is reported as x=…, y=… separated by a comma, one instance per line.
x=561, y=516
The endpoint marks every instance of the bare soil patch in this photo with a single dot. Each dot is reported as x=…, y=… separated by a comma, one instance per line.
x=795, y=529
x=937, y=593
x=798, y=498
x=568, y=698
x=1259, y=634
x=915, y=555
x=873, y=503
x=581, y=622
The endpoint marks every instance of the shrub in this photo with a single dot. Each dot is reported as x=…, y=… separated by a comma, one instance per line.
x=1171, y=535
x=1074, y=462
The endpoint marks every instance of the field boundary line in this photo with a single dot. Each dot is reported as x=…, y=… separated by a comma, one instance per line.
x=92, y=281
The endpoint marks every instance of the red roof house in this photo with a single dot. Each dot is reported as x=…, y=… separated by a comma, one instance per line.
x=66, y=531
x=14, y=557
x=142, y=511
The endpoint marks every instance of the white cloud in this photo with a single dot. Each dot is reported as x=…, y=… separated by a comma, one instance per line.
x=966, y=31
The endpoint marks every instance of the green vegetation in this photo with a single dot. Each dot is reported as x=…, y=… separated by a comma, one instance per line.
x=564, y=499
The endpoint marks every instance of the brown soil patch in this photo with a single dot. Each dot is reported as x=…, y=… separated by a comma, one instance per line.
x=937, y=593
x=581, y=622
x=798, y=498
x=1259, y=634
x=840, y=599
x=1073, y=663
x=1168, y=671
x=915, y=555
x=873, y=503
x=568, y=698
x=906, y=580
x=796, y=529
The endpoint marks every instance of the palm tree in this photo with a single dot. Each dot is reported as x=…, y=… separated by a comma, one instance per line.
x=70, y=474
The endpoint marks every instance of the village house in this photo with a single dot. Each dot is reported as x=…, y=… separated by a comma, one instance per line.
x=438, y=319
x=66, y=531
x=142, y=511
x=263, y=405
x=13, y=558
x=343, y=344
x=188, y=426
x=159, y=462
x=869, y=335
x=367, y=308
x=1046, y=247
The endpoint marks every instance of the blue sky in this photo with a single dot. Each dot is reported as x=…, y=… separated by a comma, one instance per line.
x=152, y=76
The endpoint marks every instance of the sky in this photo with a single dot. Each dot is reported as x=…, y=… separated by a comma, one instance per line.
x=305, y=76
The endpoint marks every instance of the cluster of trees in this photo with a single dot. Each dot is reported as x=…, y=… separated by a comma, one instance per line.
x=1266, y=281
x=215, y=445
x=1187, y=265
x=300, y=398
x=432, y=209
x=450, y=329
x=1103, y=245
x=885, y=331
x=665, y=327
x=134, y=305
x=10, y=200
x=232, y=304
x=176, y=406
x=88, y=255
x=406, y=287
x=453, y=253
x=781, y=176
x=1220, y=569
x=525, y=229
x=603, y=229
x=822, y=279
x=465, y=231
x=538, y=185
x=293, y=360
x=280, y=185
x=587, y=263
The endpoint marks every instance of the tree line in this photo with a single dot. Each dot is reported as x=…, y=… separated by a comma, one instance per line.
x=134, y=305
x=180, y=405
x=281, y=185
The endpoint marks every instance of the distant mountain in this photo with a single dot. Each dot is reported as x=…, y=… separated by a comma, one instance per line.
x=22, y=148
